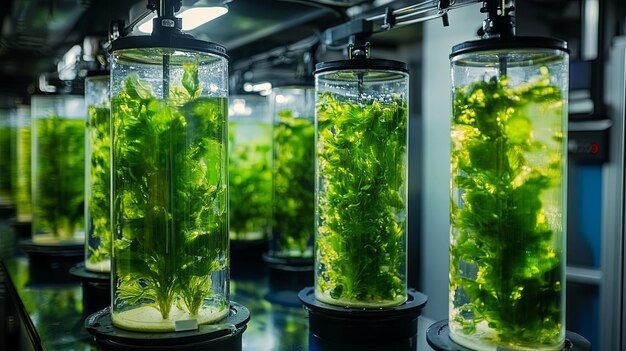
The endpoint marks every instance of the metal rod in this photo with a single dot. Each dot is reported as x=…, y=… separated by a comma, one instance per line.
x=418, y=20
x=424, y=7
x=399, y=18
x=359, y=77
x=406, y=9
x=503, y=65
x=166, y=77
x=167, y=8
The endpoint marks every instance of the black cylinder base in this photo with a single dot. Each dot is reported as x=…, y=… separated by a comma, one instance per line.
x=224, y=336
x=246, y=259
x=438, y=337
x=254, y=248
x=23, y=229
x=289, y=263
x=285, y=282
x=7, y=211
x=365, y=328
x=50, y=264
x=96, y=288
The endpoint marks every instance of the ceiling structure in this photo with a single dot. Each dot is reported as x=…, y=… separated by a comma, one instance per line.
x=34, y=34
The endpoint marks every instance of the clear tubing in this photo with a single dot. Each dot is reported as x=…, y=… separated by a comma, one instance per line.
x=169, y=189
x=98, y=175
x=508, y=199
x=361, y=187
x=58, y=169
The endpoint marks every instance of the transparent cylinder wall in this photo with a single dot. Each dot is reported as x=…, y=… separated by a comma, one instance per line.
x=250, y=173
x=361, y=188
x=6, y=153
x=169, y=188
x=58, y=169
x=97, y=175
x=508, y=187
x=293, y=172
x=21, y=170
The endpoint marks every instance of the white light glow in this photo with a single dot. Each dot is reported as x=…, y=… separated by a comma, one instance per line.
x=263, y=88
x=240, y=108
x=192, y=18
x=280, y=99
x=197, y=16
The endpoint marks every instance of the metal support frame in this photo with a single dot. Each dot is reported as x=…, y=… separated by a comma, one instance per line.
x=612, y=286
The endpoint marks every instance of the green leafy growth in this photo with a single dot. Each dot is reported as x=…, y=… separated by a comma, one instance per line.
x=22, y=181
x=60, y=178
x=6, y=168
x=169, y=194
x=250, y=178
x=362, y=210
x=99, y=223
x=505, y=268
x=293, y=184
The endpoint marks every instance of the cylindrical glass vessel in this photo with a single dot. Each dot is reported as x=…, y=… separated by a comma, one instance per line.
x=58, y=169
x=508, y=194
x=293, y=172
x=98, y=174
x=169, y=184
x=21, y=173
x=6, y=153
x=250, y=174
x=362, y=181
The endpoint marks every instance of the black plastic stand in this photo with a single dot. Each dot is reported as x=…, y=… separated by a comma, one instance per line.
x=249, y=247
x=246, y=259
x=23, y=229
x=7, y=211
x=438, y=337
x=285, y=282
x=224, y=336
x=287, y=276
x=96, y=288
x=289, y=263
x=342, y=328
x=49, y=264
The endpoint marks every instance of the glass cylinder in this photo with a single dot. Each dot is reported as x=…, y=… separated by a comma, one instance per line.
x=250, y=174
x=21, y=174
x=97, y=174
x=58, y=169
x=362, y=181
x=508, y=194
x=6, y=152
x=293, y=172
x=169, y=185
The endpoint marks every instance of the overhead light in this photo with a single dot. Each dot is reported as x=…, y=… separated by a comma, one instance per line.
x=192, y=17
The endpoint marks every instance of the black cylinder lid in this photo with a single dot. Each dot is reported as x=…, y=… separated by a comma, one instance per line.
x=370, y=64
x=509, y=43
x=181, y=42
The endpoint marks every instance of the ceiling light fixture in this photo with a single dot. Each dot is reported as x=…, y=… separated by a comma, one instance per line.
x=193, y=17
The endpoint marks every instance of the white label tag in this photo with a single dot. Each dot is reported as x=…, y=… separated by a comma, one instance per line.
x=167, y=23
x=188, y=324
